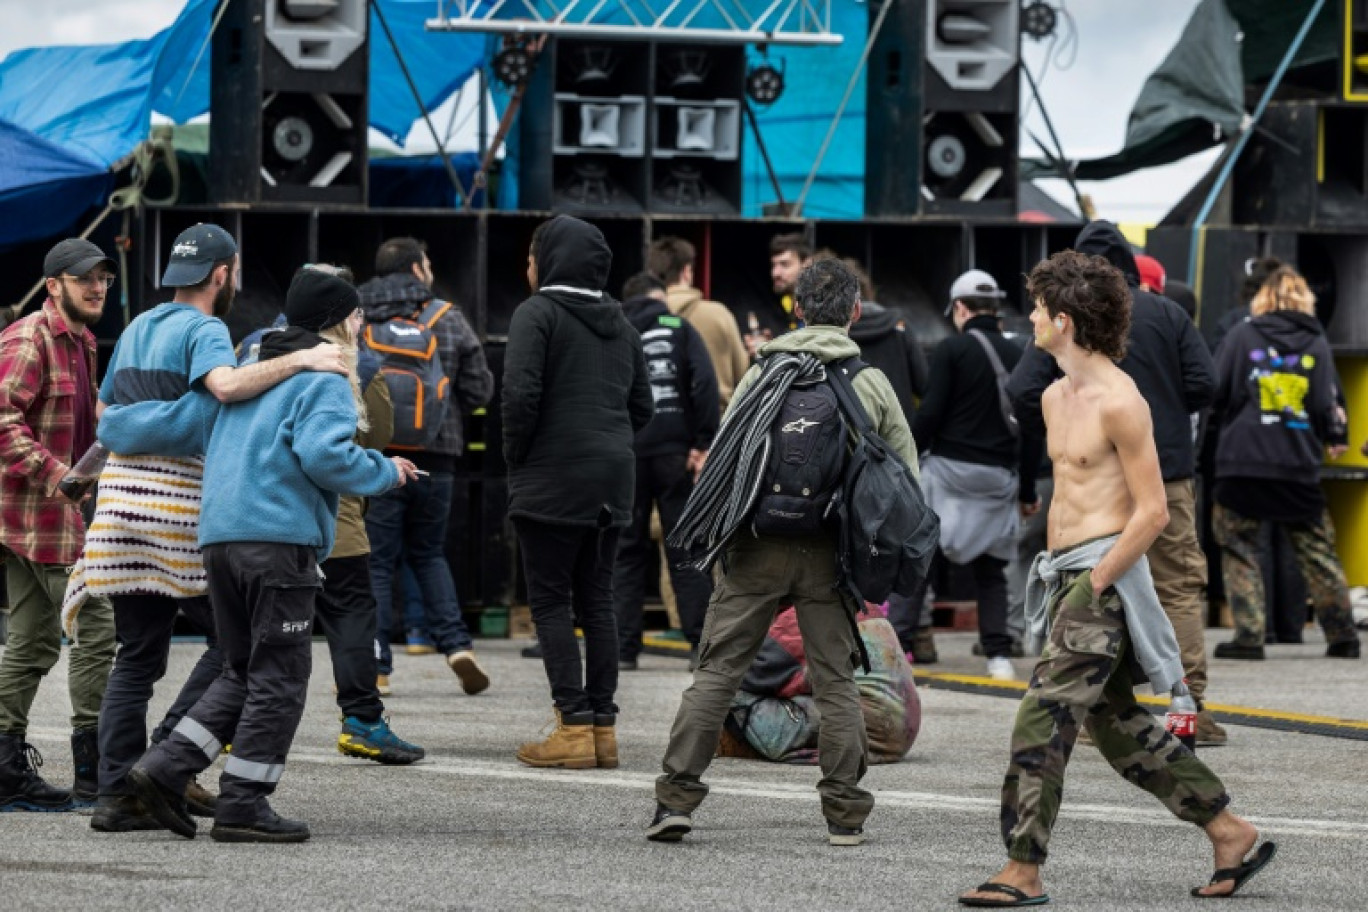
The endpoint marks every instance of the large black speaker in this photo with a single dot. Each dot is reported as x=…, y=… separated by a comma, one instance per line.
x=626, y=127
x=1306, y=167
x=288, y=102
x=942, y=106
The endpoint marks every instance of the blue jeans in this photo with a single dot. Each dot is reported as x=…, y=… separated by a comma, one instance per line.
x=415, y=615
x=412, y=521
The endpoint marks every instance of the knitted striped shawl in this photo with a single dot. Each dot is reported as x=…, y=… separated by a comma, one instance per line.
x=144, y=539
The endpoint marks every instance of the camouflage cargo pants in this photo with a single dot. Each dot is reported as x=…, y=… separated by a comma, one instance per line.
x=1241, y=565
x=1084, y=678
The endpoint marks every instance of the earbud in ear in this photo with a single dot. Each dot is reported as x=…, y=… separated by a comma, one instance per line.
x=1059, y=323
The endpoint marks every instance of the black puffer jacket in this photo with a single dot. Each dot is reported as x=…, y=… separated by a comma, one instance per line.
x=1165, y=356
x=886, y=343
x=1276, y=399
x=575, y=390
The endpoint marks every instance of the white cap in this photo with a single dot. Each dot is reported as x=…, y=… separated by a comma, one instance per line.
x=973, y=284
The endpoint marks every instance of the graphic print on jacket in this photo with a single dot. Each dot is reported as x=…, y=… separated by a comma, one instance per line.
x=1283, y=382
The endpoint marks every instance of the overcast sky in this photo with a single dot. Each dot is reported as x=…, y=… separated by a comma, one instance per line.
x=1118, y=45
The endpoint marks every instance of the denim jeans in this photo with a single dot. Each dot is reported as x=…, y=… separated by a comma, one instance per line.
x=412, y=521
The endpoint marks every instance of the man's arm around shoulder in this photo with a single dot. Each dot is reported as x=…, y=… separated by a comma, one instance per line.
x=236, y=384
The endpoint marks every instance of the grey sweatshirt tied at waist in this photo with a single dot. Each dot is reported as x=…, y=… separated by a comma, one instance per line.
x=1151, y=633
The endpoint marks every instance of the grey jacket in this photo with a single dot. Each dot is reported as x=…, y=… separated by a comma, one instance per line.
x=977, y=506
x=1151, y=634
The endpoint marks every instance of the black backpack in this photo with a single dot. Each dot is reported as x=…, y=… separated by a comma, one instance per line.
x=807, y=455
x=888, y=533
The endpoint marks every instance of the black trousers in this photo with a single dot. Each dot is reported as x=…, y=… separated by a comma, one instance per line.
x=661, y=481
x=346, y=613
x=143, y=625
x=569, y=573
x=990, y=583
x=263, y=595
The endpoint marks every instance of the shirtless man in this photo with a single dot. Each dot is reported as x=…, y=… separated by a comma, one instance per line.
x=1108, y=508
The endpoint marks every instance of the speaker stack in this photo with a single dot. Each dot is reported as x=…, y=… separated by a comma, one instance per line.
x=943, y=80
x=627, y=127
x=288, y=102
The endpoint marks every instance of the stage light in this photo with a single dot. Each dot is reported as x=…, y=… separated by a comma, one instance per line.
x=764, y=84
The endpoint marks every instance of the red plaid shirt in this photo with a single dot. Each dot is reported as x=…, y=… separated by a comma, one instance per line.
x=38, y=399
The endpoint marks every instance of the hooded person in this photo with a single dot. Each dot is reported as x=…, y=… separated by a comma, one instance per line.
x=575, y=392
x=1277, y=407
x=1171, y=366
x=274, y=469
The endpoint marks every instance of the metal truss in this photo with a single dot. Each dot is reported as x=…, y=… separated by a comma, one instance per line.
x=796, y=22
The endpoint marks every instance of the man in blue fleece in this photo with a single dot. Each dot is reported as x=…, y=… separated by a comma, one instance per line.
x=274, y=467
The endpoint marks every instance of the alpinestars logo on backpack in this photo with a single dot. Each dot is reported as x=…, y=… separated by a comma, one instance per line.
x=803, y=474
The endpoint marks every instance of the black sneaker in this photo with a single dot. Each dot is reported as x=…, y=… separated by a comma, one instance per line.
x=532, y=652
x=122, y=814
x=1344, y=649
x=269, y=829
x=844, y=836
x=627, y=665
x=1234, y=650
x=668, y=825
x=167, y=806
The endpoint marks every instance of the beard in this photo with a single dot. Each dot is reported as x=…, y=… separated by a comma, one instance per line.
x=223, y=300
x=67, y=304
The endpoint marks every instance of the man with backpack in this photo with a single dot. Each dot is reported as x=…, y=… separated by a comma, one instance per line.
x=435, y=369
x=779, y=545
x=670, y=452
x=972, y=475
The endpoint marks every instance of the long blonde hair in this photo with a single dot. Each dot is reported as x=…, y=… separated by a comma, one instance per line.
x=1284, y=289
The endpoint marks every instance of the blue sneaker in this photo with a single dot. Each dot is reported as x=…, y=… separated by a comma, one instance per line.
x=419, y=643
x=375, y=741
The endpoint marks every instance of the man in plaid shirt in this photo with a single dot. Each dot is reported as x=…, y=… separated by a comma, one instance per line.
x=47, y=421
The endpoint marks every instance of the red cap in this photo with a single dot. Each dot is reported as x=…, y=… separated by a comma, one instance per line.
x=1151, y=272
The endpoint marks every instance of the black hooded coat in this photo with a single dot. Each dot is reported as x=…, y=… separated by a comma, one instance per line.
x=575, y=390
x=1165, y=356
x=886, y=343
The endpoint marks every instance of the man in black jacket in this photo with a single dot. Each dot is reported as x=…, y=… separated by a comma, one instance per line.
x=575, y=393
x=670, y=452
x=972, y=476
x=1170, y=364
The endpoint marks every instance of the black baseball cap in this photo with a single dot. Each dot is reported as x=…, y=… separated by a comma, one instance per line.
x=74, y=257
x=195, y=252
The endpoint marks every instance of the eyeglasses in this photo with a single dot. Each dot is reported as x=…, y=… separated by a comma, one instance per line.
x=92, y=281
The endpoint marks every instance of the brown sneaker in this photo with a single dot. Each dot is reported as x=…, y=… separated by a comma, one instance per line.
x=570, y=746
x=383, y=686
x=605, y=741
x=473, y=677
x=924, y=647
x=1209, y=733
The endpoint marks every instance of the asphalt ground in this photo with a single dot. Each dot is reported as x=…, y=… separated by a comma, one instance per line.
x=470, y=828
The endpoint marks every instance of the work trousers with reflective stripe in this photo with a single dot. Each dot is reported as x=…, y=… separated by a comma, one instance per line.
x=263, y=596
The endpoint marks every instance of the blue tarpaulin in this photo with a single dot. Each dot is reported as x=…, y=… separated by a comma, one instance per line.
x=68, y=114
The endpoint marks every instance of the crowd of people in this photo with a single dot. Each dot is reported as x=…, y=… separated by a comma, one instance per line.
x=306, y=476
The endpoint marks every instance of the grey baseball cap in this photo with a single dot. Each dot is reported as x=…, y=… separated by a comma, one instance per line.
x=74, y=257
x=974, y=284
x=195, y=252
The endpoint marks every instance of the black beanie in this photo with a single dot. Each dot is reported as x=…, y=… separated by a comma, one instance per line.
x=317, y=300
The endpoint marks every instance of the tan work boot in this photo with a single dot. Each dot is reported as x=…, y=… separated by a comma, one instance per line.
x=1210, y=733
x=570, y=746
x=605, y=741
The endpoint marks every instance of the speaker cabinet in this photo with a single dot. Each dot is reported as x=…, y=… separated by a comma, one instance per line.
x=943, y=81
x=288, y=102
x=1306, y=167
x=627, y=127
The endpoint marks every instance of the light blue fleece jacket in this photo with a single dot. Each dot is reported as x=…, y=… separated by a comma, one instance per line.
x=276, y=464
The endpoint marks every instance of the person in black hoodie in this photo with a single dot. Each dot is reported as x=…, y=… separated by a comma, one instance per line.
x=1170, y=364
x=575, y=392
x=670, y=452
x=1278, y=410
x=886, y=343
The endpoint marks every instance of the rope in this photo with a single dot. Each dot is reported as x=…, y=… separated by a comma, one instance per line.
x=727, y=491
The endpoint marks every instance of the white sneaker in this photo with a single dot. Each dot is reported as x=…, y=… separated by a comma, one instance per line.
x=1000, y=669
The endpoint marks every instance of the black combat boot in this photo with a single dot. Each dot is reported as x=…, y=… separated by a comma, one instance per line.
x=21, y=788
x=85, y=759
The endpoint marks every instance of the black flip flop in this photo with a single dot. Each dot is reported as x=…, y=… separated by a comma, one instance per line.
x=1246, y=870
x=1017, y=897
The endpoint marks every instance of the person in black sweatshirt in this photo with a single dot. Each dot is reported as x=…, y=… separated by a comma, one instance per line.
x=973, y=475
x=575, y=392
x=1277, y=404
x=1171, y=365
x=670, y=452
